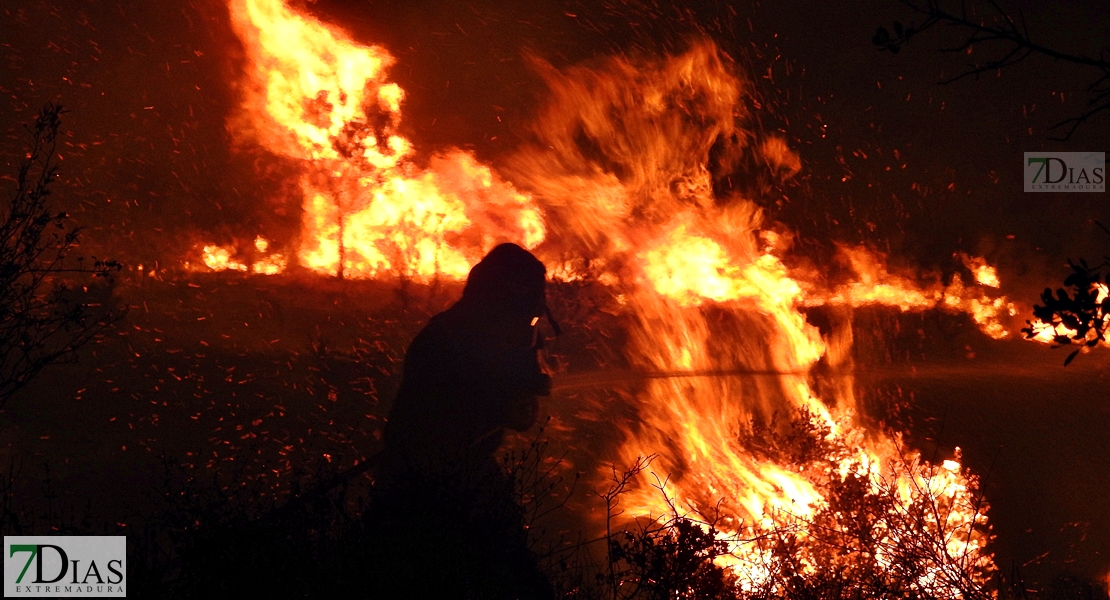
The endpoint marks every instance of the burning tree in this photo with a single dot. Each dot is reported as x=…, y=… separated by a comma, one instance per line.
x=44, y=317
x=368, y=208
x=345, y=171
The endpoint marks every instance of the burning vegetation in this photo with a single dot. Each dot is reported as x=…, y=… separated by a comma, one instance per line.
x=620, y=193
x=318, y=97
x=742, y=464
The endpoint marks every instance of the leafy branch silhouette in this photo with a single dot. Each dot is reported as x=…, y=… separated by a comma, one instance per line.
x=1081, y=317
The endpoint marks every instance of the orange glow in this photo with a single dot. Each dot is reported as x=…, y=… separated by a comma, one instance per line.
x=316, y=95
x=219, y=258
x=1046, y=333
x=270, y=265
x=620, y=159
x=984, y=273
x=690, y=269
x=779, y=156
x=621, y=178
x=227, y=258
x=875, y=286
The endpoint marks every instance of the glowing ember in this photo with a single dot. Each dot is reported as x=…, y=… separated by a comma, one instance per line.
x=318, y=96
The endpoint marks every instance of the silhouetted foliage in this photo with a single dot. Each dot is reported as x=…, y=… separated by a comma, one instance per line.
x=987, y=23
x=1083, y=314
x=674, y=559
x=220, y=537
x=45, y=314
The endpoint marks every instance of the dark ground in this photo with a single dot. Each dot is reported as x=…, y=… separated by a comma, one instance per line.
x=1037, y=435
x=259, y=378
x=1035, y=432
x=915, y=168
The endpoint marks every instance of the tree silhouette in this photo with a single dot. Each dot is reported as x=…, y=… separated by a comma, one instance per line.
x=48, y=306
x=988, y=24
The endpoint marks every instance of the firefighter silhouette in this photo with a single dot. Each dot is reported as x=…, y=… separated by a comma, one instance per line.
x=472, y=373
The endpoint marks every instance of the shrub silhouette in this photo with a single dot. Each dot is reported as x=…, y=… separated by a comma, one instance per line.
x=44, y=317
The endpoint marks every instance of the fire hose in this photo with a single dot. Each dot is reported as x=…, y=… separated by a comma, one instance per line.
x=610, y=377
x=566, y=383
x=594, y=379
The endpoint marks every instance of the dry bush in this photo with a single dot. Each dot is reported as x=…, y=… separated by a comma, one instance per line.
x=904, y=534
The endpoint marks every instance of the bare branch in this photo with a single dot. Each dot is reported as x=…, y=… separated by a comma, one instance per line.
x=1017, y=45
x=45, y=314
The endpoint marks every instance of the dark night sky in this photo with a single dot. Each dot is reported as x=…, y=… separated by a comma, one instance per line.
x=149, y=88
x=149, y=167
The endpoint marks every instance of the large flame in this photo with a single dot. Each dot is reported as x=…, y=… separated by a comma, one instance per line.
x=623, y=166
x=316, y=95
